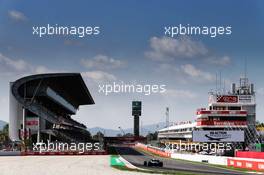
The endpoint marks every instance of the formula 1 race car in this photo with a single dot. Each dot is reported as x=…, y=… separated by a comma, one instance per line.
x=154, y=163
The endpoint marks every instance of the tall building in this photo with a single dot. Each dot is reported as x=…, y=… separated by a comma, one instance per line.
x=233, y=110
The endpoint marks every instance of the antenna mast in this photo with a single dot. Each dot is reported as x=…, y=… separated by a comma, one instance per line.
x=245, y=73
x=220, y=73
x=216, y=83
x=167, y=117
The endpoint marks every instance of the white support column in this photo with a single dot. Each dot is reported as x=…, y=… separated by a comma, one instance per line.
x=38, y=136
x=15, y=116
x=24, y=123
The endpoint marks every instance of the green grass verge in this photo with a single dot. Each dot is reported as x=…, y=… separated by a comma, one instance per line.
x=115, y=161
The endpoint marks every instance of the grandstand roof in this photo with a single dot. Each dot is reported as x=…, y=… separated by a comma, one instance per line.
x=68, y=83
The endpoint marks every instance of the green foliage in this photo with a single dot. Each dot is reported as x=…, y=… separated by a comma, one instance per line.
x=152, y=136
x=4, y=134
x=98, y=136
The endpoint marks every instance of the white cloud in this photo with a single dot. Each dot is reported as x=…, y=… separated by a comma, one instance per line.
x=170, y=48
x=167, y=67
x=102, y=62
x=196, y=73
x=99, y=76
x=166, y=49
x=43, y=69
x=220, y=61
x=10, y=66
x=16, y=15
x=186, y=73
x=176, y=93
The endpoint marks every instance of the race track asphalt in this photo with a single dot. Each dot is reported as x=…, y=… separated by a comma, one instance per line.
x=137, y=158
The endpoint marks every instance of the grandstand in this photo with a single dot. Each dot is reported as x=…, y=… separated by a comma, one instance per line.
x=42, y=106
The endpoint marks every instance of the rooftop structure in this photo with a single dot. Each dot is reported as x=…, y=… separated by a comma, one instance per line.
x=233, y=110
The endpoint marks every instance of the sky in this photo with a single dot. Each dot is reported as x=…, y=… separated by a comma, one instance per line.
x=132, y=48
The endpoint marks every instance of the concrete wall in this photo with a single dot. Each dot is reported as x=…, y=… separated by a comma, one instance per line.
x=217, y=160
x=15, y=116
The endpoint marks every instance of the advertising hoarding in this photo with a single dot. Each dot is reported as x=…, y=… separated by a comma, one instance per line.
x=218, y=136
x=32, y=123
x=227, y=99
x=136, y=108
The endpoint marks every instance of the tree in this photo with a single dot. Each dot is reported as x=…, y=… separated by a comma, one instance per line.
x=98, y=136
x=119, y=135
x=128, y=135
x=5, y=129
x=152, y=136
x=4, y=134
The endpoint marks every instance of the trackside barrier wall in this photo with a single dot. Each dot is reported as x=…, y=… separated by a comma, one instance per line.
x=251, y=164
x=250, y=154
x=191, y=157
x=217, y=160
x=256, y=164
x=153, y=150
